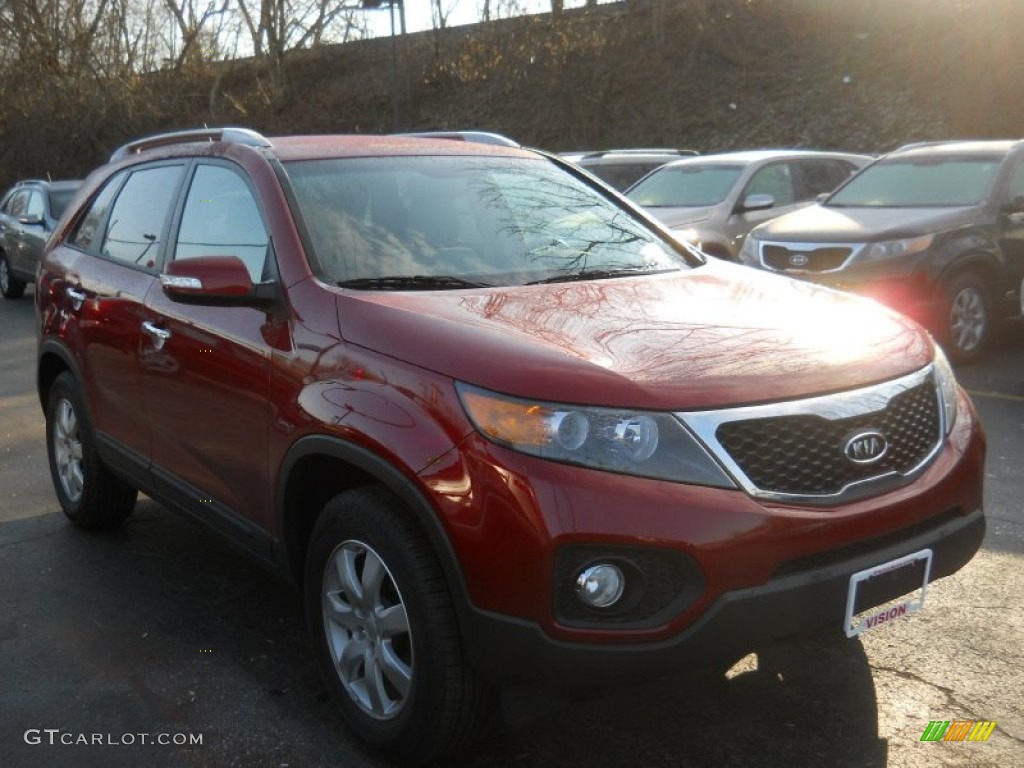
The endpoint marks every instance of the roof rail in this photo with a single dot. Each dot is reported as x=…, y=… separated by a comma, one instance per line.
x=30, y=181
x=640, y=151
x=231, y=135
x=480, y=137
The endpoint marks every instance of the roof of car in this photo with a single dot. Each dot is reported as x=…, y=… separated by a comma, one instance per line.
x=744, y=157
x=201, y=140
x=957, y=147
x=318, y=147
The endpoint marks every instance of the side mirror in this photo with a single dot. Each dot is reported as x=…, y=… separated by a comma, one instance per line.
x=821, y=198
x=216, y=281
x=31, y=220
x=758, y=202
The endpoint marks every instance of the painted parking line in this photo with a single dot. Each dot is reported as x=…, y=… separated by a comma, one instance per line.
x=996, y=395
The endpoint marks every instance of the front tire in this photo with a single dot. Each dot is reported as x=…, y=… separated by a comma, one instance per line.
x=10, y=286
x=384, y=631
x=90, y=495
x=968, y=317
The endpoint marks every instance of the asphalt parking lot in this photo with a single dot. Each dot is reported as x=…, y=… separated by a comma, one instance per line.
x=160, y=629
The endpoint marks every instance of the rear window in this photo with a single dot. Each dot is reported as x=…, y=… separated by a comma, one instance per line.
x=59, y=199
x=926, y=182
x=491, y=221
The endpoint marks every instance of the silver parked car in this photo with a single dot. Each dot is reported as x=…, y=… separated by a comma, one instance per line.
x=712, y=201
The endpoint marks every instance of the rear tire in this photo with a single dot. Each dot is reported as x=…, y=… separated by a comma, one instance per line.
x=968, y=317
x=384, y=631
x=10, y=286
x=90, y=495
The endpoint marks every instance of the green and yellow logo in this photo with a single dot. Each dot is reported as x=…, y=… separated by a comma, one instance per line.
x=958, y=730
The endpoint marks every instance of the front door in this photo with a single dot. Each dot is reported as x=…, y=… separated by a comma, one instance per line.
x=206, y=382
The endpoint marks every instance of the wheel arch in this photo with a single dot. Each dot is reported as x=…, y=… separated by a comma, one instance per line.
x=981, y=264
x=53, y=360
x=317, y=468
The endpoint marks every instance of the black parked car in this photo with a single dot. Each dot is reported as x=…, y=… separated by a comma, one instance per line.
x=933, y=230
x=28, y=213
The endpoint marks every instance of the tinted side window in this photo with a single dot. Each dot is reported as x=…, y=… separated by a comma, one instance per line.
x=819, y=176
x=84, y=236
x=18, y=203
x=221, y=218
x=775, y=180
x=139, y=215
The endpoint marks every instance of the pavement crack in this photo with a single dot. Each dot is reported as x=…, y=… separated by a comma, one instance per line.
x=949, y=693
x=14, y=542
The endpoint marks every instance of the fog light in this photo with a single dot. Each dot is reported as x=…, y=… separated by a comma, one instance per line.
x=600, y=586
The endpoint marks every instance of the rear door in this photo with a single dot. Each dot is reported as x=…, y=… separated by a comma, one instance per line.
x=113, y=258
x=207, y=383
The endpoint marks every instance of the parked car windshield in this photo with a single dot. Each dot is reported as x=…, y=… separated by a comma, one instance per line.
x=685, y=186
x=924, y=182
x=448, y=222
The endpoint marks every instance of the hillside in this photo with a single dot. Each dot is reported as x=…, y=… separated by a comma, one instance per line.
x=863, y=75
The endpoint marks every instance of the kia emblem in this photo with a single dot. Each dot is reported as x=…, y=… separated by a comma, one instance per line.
x=866, y=447
x=799, y=260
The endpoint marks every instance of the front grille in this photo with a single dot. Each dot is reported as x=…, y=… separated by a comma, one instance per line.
x=809, y=259
x=803, y=454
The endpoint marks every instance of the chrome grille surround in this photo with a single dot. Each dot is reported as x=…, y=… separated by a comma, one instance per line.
x=810, y=250
x=840, y=411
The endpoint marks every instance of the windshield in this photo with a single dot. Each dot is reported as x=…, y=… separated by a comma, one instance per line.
x=926, y=182
x=685, y=186
x=438, y=223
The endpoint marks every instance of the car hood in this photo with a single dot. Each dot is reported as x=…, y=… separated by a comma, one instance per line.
x=828, y=224
x=674, y=218
x=716, y=335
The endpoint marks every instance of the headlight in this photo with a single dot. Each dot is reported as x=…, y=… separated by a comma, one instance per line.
x=891, y=249
x=947, y=388
x=644, y=443
x=748, y=253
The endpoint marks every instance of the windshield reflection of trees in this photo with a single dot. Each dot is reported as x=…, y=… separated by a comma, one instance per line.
x=500, y=223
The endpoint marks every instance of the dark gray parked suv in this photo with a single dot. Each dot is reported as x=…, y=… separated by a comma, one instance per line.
x=933, y=230
x=28, y=213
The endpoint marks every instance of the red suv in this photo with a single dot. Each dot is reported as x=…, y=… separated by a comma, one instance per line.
x=498, y=425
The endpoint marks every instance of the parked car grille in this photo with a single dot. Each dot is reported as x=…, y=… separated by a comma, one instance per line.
x=804, y=454
x=809, y=259
x=801, y=450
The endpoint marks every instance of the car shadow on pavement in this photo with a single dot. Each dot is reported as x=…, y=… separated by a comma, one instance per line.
x=158, y=628
x=807, y=701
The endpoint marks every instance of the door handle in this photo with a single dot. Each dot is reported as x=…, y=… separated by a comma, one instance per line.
x=77, y=298
x=159, y=335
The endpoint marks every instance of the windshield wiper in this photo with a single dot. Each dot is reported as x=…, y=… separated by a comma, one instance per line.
x=410, y=282
x=601, y=274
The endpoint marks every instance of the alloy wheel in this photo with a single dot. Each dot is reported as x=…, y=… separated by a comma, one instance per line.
x=367, y=628
x=967, y=318
x=67, y=450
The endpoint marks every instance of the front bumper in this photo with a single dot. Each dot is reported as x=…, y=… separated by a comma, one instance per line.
x=509, y=650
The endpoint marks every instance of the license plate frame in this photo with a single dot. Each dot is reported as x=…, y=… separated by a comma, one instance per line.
x=899, y=606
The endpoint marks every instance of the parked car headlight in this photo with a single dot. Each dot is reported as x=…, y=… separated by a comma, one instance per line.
x=946, y=380
x=644, y=443
x=892, y=249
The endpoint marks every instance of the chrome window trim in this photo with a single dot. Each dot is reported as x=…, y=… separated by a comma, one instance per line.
x=840, y=405
x=855, y=249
